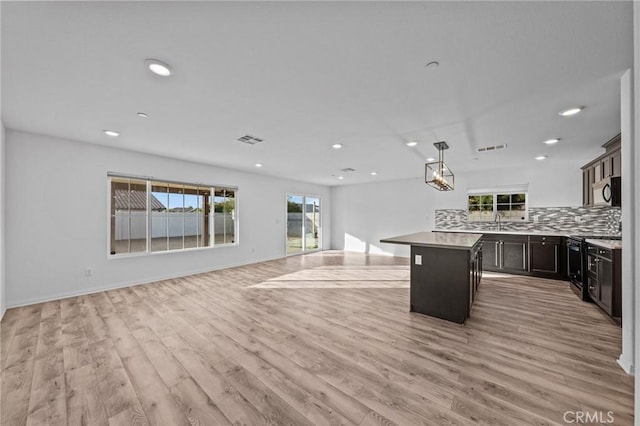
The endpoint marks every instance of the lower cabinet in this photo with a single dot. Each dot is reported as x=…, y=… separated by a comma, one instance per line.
x=605, y=278
x=490, y=252
x=507, y=253
x=445, y=281
x=537, y=255
x=475, y=272
x=514, y=254
x=547, y=256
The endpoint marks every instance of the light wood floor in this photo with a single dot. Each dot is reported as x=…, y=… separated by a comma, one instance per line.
x=324, y=338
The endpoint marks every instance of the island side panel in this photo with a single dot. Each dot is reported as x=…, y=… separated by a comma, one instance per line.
x=440, y=285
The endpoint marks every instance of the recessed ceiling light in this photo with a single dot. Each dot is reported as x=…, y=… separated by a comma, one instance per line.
x=571, y=111
x=336, y=146
x=551, y=141
x=430, y=159
x=258, y=165
x=411, y=143
x=432, y=65
x=111, y=133
x=541, y=157
x=142, y=115
x=340, y=177
x=374, y=173
x=158, y=67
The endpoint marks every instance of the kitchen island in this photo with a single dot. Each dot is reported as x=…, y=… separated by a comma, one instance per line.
x=446, y=269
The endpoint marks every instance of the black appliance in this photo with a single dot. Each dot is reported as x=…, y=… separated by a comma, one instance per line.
x=607, y=192
x=577, y=262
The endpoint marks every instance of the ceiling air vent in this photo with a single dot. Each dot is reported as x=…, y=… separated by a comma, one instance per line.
x=347, y=170
x=251, y=140
x=492, y=148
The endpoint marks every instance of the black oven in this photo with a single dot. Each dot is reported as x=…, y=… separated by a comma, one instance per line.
x=575, y=266
x=577, y=263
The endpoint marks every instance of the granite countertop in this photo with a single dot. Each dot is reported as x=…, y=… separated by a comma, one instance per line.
x=491, y=231
x=526, y=232
x=452, y=240
x=609, y=244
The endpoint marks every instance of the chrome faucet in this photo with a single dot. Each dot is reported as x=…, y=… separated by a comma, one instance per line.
x=498, y=219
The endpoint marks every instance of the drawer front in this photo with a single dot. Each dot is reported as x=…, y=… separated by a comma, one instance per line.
x=599, y=251
x=545, y=239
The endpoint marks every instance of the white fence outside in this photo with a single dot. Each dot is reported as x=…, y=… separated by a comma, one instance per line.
x=294, y=223
x=133, y=225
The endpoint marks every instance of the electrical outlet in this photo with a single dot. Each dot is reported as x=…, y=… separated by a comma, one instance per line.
x=88, y=272
x=418, y=260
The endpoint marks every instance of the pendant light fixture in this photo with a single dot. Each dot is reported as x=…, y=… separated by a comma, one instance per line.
x=437, y=174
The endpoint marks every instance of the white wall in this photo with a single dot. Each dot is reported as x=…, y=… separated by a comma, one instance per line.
x=363, y=214
x=57, y=219
x=633, y=233
x=629, y=212
x=2, y=227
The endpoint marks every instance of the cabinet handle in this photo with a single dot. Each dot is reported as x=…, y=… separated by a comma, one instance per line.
x=544, y=244
x=591, y=287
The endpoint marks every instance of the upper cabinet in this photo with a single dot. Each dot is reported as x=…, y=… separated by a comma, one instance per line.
x=606, y=165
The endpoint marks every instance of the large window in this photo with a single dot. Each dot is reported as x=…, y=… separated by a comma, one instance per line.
x=224, y=216
x=486, y=205
x=152, y=216
x=303, y=223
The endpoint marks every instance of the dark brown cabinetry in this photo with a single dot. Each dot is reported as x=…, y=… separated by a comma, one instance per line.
x=507, y=253
x=611, y=164
x=604, y=278
x=475, y=272
x=514, y=254
x=588, y=179
x=446, y=269
x=537, y=255
x=606, y=165
x=546, y=256
x=490, y=251
x=445, y=284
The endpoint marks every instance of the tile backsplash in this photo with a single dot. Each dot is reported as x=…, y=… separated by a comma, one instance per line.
x=574, y=220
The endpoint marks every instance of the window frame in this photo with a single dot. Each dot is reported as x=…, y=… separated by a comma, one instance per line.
x=495, y=193
x=149, y=180
x=286, y=218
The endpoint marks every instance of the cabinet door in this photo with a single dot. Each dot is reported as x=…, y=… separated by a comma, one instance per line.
x=514, y=255
x=588, y=178
x=605, y=281
x=594, y=288
x=585, y=187
x=616, y=163
x=472, y=282
x=597, y=172
x=490, y=253
x=544, y=257
x=606, y=166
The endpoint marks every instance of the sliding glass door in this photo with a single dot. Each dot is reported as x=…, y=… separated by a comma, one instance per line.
x=312, y=222
x=303, y=224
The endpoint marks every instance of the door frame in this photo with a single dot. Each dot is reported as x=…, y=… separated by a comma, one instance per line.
x=304, y=237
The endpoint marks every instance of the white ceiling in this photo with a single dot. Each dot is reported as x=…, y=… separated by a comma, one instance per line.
x=306, y=75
